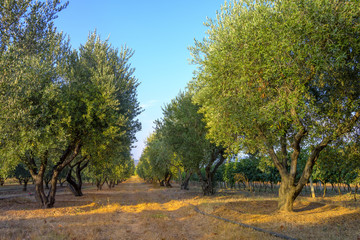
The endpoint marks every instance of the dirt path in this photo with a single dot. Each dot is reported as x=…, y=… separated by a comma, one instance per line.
x=132, y=210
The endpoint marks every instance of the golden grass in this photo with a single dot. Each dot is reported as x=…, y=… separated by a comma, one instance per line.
x=134, y=210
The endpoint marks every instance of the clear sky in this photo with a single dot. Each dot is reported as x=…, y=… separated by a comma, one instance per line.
x=159, y=31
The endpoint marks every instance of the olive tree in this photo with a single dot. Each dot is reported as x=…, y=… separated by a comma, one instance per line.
x=274, y=75
x=33, y=60
x=183, y=129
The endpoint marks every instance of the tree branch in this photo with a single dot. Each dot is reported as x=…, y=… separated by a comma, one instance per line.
x=342, y=129
x=274, y=157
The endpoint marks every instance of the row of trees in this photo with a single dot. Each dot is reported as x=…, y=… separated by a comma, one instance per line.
x=280, y=78
x=62, y=108
x=74, y=174
x=179, y=146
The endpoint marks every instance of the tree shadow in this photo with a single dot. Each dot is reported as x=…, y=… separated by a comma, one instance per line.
x=309, y=207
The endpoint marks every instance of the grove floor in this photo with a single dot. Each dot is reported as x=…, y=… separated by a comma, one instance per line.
x=135, y=210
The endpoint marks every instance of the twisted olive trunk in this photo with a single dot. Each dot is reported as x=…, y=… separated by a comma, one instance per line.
x=74, y=186
x=185, y=181
x=68, y=156
x=208, y=184
x=167, y=179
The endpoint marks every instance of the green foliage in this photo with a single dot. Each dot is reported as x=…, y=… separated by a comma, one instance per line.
x=21, y=172
x=102, y=106
x=180, y=143
x=55, y=102
x=269, y=173
x=32, y=61
x=275, y=76
x=143, y=169
x=184, y=131
x=253, y=168
x=263, y=70
x=338, y=164
x=155, y=161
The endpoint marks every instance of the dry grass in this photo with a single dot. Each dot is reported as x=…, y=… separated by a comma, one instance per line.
x=134, y=210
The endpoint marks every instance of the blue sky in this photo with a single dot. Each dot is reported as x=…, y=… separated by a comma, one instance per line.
x=159, y=31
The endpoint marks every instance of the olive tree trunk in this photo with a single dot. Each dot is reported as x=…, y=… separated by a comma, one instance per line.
x=67, y=157
x=168, y=177
x=208, y=183
x=37, y=174
x=99, y=183
x=76, y=185
x=185, y=181
x=26, y=180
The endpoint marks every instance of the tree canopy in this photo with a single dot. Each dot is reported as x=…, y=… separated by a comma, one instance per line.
x=278, y=75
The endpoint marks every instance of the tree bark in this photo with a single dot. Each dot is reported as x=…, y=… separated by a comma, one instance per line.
x=25, y=184
x=208, y=187
x=185, y=181
x=287, y=194
x=68, y=156
x=356, y=189
x=324, y=189
x=74, y=186
x=37, y=175
x=167, y=179
x=339, y=189
x=312, y=188
x=289, y=190
x=40, y=196
x=208, y=184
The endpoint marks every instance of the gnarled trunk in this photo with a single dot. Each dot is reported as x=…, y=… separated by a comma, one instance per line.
x=68, y=156
x=167, y=179
x=37, y=175
x=74, y=186
x=289, y=190
x=287, y=195
x=208, y=183
x=53, y=188
x=40, y=195
x=208, y=186
x=185, y=181
x=324, y=188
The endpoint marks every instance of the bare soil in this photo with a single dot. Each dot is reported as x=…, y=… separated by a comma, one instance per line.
x=135, y=210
